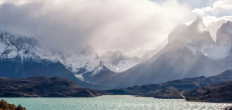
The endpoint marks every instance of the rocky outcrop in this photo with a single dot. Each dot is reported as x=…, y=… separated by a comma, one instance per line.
x=43, y=86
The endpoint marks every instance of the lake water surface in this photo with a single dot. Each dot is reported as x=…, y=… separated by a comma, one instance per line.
x=112, y=103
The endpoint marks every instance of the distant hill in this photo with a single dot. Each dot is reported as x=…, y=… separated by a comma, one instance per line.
x=181, y=84
x=43, y=86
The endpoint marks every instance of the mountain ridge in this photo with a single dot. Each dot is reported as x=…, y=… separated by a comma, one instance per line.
x=188, y=55
x=22, y=57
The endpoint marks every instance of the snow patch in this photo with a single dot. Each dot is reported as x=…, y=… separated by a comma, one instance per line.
x=79, y=76
x=2, y=47
x=121, y=66
x=12, y=54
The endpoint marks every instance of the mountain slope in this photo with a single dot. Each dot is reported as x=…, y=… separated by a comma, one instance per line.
x=224, y=43
x=118, y=62
x=224, y=35
x=186, y=56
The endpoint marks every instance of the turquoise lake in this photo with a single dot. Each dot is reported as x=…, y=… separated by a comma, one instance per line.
x=113, y=103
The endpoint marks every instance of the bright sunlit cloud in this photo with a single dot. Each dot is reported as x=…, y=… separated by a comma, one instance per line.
x=132, y=26
x=218, y=8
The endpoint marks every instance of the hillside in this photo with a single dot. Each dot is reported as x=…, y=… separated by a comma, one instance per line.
x=43, y=87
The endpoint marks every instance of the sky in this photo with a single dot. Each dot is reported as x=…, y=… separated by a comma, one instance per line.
x=131, y=26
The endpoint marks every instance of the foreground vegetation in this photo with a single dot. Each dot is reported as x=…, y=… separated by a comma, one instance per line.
x=5, y=106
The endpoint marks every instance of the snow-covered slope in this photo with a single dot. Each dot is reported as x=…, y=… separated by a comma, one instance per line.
x=27, y=48
x=117, y=62
x=30, y=49
x=79, y=62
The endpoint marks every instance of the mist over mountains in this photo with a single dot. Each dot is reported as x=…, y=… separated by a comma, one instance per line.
x=23, y=57
x=190, y=52
x=118, y=62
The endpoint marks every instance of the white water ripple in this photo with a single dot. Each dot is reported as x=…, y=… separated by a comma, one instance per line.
x=113, y=103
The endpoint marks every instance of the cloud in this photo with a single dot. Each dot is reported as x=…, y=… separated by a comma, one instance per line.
x=132, y=26
x=219, y=7
x=214, y=23
x=140, y=25
x=197, y=3
x=215, y=15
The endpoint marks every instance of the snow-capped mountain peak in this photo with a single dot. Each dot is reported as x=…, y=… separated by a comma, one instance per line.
x=28, y=48
x=79, y=62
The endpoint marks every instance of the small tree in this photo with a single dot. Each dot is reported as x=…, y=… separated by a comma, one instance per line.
x=19, y=107
x=4, y=104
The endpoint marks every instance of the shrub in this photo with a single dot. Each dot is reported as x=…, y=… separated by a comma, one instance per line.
x=19, y=107
x=4, y=104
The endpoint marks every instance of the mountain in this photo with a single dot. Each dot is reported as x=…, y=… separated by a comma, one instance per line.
x=224, y=35
x=171, y=86
x=223, y=45
x=118, y=62
x=175, y=33
x=185, y=56
x=150, y=53
x=23, y=57
x=84, y=64
x=43, y=86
